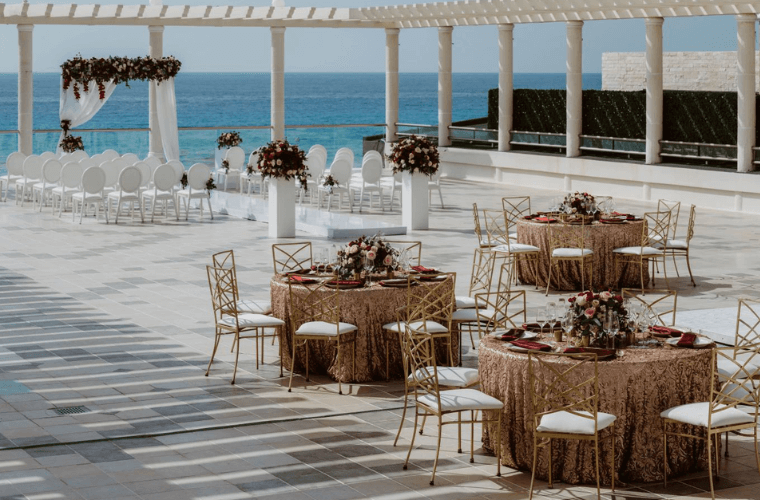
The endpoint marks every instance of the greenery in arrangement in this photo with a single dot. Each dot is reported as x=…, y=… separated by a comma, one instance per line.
x=578, y=203
x=228, y=140
x=414, y=154
x=280, y=159
x=210, y=184
x=80, y=72
x=351, y=258
x=589, y=310
x=70, y=143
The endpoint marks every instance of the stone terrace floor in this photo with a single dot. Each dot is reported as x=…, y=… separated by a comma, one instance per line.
x=117, y=319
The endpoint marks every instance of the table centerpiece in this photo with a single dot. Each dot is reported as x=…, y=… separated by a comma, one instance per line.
x=354, y=257
x=589, y=310
x=578, y=203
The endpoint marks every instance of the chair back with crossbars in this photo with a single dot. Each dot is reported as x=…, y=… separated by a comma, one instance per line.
x=674, y=207
x=288, y=257
x=747, y=323
x=430, y=299
x=515, y=207
x=482, y=271
x=496, y=226
x=735, y=387
x=413, y=250
x=661, y=304
x=494, y=313
x=226, y=260
x=221, y=283
x=315, y=302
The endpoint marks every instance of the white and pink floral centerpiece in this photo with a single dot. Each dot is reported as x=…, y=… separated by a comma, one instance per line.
x=589, y=310
x=351, y=257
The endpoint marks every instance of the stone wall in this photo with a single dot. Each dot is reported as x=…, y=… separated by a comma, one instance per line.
x=681, y=71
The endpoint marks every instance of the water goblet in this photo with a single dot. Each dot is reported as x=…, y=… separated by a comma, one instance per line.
x=614, y=329
x=567, y=327
x=540, y=315
x=318, y=259
x=369, y=265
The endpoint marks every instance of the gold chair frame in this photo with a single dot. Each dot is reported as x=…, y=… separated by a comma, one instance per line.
x=752, y=336
x=499, y=302
x=650, y=237
x=739, y=389
x=496, y=225
x=684, y=252
x=481, y=277
x=482, y=242
x=574, y=239
x=288, y=257
x=319, y=304
x=514, y=208
x=553, y=391
x=223, y=287
x=664, y=298
x=419, y=351
x=674, y=207
x=411, y=247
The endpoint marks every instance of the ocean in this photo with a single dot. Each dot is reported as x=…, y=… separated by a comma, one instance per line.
x=227, y=100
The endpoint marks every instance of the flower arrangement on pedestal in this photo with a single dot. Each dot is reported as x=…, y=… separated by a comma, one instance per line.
x=414, y=154
x=78, y=71
x=228, y=140
x=70, y=143
x=351, y=258
x=589, y=310
x=280, y=159
x=578, y=203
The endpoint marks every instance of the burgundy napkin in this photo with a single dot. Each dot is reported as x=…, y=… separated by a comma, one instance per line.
x=529, y=217
x=598, y=352
x=423, y=269
x=533, y=346
x=664, y=330
x=687, y=340
x=512, y=334
x=544, y=219
x=302, y=279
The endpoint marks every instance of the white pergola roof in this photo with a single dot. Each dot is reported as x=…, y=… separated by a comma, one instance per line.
x=460, y=13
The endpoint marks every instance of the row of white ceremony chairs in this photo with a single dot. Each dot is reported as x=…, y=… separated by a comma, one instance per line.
x=125, y=179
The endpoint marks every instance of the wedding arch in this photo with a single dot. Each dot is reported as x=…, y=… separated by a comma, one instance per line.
x=80, y=78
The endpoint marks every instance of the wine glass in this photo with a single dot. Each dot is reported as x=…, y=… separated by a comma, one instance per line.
x=567, y=326
x=318, y=259
x=551, y=315
x=369, y=265
x=540, y=318
x=403, y=259
x=611, y=205
x=325, y=257
x=614, y=329
x=594, y=209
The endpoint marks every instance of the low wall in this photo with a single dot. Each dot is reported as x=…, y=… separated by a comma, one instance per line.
x=703, y=187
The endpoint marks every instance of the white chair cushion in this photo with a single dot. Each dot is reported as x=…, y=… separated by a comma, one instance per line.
x=677, y=244
x=568, y=423
x=114, y=195
x=325, y=328
x=729, y=369
x=485, y=243
x=513, y=236
x=254, y=306
x=452, y=376
x=571, y=252
x=432, y=326
x=253, y=320
x=464, y=302
x=638, y=251
x=484, y=314
x=516, y=248
x=697, y=414
x=462, y=399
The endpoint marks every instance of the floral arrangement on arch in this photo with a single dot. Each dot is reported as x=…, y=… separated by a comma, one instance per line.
x=228, y=140
x=280, y=159
x=590, y=309
x=79, y=72
x=352, y=256
x=578, y=203
x=70, y=143
x=414, y=154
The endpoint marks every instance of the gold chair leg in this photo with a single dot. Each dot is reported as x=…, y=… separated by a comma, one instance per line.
x=596, y=455
x=551, y=467
x=338, y=361
x=213, y=353
x=237, y=355
x=709, y=464
x=472, y=437
x=498, y=447
x=292, y=363
x=688, y=265
x=549, y=279
x=403, y=412
x=665, y=454
x=757, y=453
x=278, y=334
x=414, y=434
x=612, y=456
x=533, y=469
x=437, y=448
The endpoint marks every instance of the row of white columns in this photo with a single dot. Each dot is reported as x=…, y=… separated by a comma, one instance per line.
x=574, y=38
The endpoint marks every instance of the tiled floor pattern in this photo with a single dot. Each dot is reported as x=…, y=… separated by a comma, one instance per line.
x=117, y=319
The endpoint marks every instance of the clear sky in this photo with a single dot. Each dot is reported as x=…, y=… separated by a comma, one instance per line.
x=539, y=48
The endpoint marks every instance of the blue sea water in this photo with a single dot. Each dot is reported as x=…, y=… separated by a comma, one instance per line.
x=227, y=100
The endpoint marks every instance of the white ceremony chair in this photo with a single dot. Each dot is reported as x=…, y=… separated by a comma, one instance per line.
x=346, y=153
x=341, y=172
x=71, y=180
x=78, y=155
x=372, y=169
x=164, y=179
x=320, y=148
x=130, y=180
x=113, y=169
x=32, y=175
x=434, y=183
x=64, y=158
x=48, y=155
x=235, y=156
x=197, y=177
x=51, y=176
x=15, y=166
x=315, y=165
x=110, y=154
x=254, y=177
x=146, y=174
x=179, y=171
x=393, y=181
x=86, y=163
x=153, y=162
x=130, y=158
x=98, y=159
x=93, y=182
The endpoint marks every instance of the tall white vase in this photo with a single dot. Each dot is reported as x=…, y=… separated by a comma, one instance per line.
x=414, y=194
x=282, y=208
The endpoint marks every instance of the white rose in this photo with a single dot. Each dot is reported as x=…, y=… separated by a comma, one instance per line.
x=605, y=295
x=581, y=300
x=350, y=260
x=279, y=162
x=354, y=248
x=417, y=150
x=374, y=248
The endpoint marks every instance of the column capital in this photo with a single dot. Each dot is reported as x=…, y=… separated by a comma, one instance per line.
x=277, y=29
x=445, y=29
x=654, y=21
x=392, y=31
x=574, y=24
x=25, y=27
x=506, y=27
x=155, y=29
x=746, y=18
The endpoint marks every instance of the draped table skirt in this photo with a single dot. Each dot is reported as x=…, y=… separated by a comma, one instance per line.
x=601, y=238
x=368, y=308
x=635, y=388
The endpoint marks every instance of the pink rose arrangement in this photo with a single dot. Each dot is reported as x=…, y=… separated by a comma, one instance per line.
x=589, y=310
x=280, y=159
x=352, y=256
x=414, y=154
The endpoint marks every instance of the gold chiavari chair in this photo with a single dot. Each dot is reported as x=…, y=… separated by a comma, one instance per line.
x=482, y=238
x=494, y=314
x=661, y=304
x=721, y=414
x=465, y=316
x=288, y=257
x=228, y=320
x=315, y=315
x=569, y=245
x=680, y=248
x=419, y=353
x=565, y=399
x=514, y=208
x=495, y=223
x=674, y=207
x=654, y=231
x=412, y=248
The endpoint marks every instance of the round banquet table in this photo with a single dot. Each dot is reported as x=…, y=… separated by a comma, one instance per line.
x=368, y=308
x=601, y=238
x=635, y=387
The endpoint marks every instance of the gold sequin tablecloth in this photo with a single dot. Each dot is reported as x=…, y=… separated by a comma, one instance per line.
x=601, y=238
x=368, y=308
x=635, y=387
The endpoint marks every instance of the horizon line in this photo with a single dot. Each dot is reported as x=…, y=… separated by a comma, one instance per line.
x=335, y=73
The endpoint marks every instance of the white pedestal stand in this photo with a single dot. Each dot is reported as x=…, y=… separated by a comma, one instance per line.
x=282, y=208
x=414, y=193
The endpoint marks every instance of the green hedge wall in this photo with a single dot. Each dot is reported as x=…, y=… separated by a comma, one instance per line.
x=688, y=116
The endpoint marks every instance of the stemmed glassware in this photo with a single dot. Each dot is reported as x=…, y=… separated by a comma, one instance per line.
x=403, y=260
x=369, y=265
x=567, y=325
x=541, y=318
x=614, y=329
x=318, y=259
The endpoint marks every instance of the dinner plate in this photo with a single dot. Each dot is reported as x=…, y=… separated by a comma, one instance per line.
x=612, y=221
x=681, y=330
x=699, y=343
x=516, y=348
x=548, y=221
x=299, y=271
x=333, y=284
x=394, y=283
x=525, y=335
x=601, y=354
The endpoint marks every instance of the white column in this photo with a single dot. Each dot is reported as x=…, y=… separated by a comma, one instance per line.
x=25, y=88
x=391, y=84
x=278, y=83
x=654, y=89
x=156, y=51
x=745, y=80
x=574, y=87
x=444, y=84
x=505, y=85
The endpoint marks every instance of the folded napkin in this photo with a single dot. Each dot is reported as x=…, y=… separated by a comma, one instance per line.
x=423, y=269
x=301, y=279
x=664, y=330
x=512, y=334
x=687, y=340
x=580, y=350
x=529, y=217
x=544, y=219
x=533, y=346
x=345, y=282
